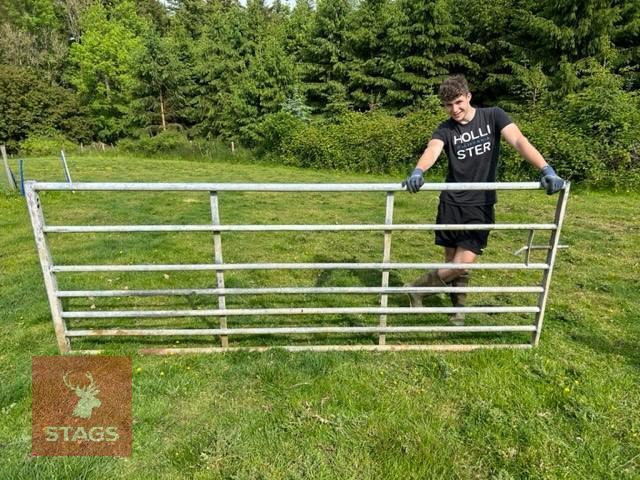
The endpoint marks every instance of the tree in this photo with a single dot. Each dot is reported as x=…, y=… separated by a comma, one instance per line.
x=32, y=34
x=103, y=64
x=269, y=82
x=221, y=56
x=371, y=68
x=626, y=38
x=486, y=26
x=157, y=72
x=326, y=57
x=426, y=47
x=30, y=105
x=570, y=30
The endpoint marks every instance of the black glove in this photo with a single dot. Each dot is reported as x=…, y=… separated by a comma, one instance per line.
x=550, y=180
x=414, y=181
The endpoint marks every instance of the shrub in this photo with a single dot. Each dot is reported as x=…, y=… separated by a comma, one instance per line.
x=167, y=142
x=275, y=131
x=45, y=144
x=373, y=142
x=609, y=117
x=573, y=155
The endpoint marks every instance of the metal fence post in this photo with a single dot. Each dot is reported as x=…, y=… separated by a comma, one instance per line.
x=554, y=239
x=46, y=262
x=217, y=250
x=386, y=258
x=10, y=179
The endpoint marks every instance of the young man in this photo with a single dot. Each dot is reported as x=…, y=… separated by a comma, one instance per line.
x=471, y=141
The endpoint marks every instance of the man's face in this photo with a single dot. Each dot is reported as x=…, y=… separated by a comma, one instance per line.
x=459, y=108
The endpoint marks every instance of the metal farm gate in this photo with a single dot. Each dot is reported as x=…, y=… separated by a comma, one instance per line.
x=64, y=334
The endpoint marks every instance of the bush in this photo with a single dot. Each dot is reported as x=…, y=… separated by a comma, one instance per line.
x=574, y=156
x=48, y=144
x=167, y=142
x=374, y=142
x=275, y=131
x=610, y=117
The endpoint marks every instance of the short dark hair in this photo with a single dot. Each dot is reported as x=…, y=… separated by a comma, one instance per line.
x=453, y=87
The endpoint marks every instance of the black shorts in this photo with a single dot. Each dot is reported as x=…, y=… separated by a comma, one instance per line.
x=474, y=240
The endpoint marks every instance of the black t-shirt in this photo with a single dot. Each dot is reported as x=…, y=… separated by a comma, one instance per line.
x=472, y=150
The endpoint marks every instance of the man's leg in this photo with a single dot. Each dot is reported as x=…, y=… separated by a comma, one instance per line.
x=449, y=253
x=429, y=279
x=440, y=278
x=460, y=255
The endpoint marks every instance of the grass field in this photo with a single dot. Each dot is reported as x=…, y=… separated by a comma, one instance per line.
x=567, y=409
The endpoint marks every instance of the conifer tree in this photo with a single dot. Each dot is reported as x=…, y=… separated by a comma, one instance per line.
x=566, y=30
x=326, y=57
x=158, y=73
x=426, y=47
x=221, y=56
x=371, y=67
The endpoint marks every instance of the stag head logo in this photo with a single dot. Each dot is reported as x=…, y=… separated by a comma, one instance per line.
x=86, y=394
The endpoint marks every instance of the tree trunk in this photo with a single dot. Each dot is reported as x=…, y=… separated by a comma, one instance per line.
x=164, y=123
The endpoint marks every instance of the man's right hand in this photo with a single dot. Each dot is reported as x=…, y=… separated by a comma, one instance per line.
x=414, y=181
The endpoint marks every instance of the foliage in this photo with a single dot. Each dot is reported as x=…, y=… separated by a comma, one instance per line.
x=42, y=145
x=170, y=141
x=29, y=105
x=326, y=57
x=236, y=71
x=426, y=46
x=274, y=132
x=157, y=74
x=603, y=111
x=103, y=65
x=573, y=155
x=372, y=142
x=372, y=65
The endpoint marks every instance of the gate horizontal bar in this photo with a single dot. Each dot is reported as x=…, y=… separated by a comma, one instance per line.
x=296, y=266
x=292, y=228
x=291, y=290
x=291, y=311
x=446, y=347
x=278, y=187
x=293, y=330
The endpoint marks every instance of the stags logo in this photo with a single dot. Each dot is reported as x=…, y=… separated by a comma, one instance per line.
x=87, y=396
x=81, y=405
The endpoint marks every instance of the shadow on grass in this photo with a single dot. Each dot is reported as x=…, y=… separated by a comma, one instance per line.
x=630, y=351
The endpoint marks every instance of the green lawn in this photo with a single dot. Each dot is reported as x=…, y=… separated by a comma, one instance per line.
x=567, y=409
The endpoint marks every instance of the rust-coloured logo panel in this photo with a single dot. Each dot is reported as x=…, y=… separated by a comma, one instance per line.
x=81, y=405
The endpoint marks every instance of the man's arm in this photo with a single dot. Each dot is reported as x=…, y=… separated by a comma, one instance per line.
x=415, y=181
x=430, y=155
x=550, y=181
x=517, y=140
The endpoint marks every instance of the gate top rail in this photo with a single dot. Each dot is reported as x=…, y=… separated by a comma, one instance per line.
x=277, y=187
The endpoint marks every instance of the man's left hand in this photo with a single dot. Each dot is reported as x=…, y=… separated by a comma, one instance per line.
x=550, y=180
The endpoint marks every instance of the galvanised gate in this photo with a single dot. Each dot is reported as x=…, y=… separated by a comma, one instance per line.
x=380, y=329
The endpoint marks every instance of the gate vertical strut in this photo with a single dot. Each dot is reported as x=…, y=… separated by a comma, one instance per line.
x=386, y=258
x=46, y=262
x=217, y=251
x=554, y=240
